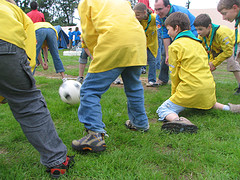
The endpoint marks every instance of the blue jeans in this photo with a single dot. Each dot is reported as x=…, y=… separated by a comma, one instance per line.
x=96, y=84
x=160, y=49
x=152, y=67
x=49, y=35
x=167, y=108
x=28, y=106
x=163, y=75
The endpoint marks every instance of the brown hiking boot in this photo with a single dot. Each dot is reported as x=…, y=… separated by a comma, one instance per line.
x=235, y=108
x=180, y=125
x=93, y=142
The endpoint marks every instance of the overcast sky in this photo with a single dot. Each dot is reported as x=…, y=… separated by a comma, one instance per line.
x=195, y=4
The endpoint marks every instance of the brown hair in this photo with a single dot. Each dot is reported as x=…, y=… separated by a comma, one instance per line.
x=165, y=2
x=142, y=7
x=11, y=1
x=227, y=4
x=202, y=20
x=178, y=19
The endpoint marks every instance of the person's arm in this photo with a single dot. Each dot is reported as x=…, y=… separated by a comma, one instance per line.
x=40, y=58
x=44, y=64
x=88, y=53
x=166, y=43
x=45, y=53
x=226, y=45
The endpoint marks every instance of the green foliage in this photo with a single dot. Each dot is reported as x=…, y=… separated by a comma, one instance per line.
x=57, y=12
x=133, y=2
x=212, y=153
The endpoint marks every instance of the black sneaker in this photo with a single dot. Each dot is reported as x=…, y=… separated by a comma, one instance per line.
x=143, y=71
x=237, y=91
x=61, y=169
x=130, y=126
x=80, y=79
x=92, y=142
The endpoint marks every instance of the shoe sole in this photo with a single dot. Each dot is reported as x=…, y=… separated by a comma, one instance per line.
x=86, y=148
x=179, y=128
x=133, y=129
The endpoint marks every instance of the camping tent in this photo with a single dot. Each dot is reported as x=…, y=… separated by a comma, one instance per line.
x=63, y=40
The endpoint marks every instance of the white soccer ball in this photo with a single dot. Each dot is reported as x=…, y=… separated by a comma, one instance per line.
x=69, y=92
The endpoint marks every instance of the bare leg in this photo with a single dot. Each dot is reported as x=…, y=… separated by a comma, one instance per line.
x=81, y=69
x=218, y=106
x=62, y=74
x=171, y=117
x=237, y=76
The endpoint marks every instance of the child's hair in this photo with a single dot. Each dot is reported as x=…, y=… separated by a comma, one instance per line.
x=178, y=19
x=33, y=5
x=142, y=7
x=70, y=29
x=202, y=20
x=76, y=28
x=11, y=1
x=165, y=2
x=227, y=4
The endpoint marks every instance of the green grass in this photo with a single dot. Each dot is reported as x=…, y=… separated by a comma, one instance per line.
x=212, y=153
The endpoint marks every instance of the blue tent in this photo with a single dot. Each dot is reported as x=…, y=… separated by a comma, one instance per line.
x=63, y=40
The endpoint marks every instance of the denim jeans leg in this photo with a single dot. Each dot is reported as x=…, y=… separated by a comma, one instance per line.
x=164, y=74
x=152, y=67
x=95, y=84
x=135, y=96
x=159, y=55
x=40, y=37
x=29, y=107
x=53, y=47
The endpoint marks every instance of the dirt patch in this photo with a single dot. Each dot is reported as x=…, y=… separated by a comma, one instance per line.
x=53, y=75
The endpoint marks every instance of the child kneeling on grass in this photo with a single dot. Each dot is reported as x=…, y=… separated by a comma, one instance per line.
x=193, y=85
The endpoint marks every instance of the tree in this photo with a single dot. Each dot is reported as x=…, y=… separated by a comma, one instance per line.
x=47, y=8
x=133, y=2
x=66, y=11
x=24, y=5
x=58, y=12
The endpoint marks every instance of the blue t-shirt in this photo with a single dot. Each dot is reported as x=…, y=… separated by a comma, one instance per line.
x=70, y=35
x=76, y=33
x=160, y=21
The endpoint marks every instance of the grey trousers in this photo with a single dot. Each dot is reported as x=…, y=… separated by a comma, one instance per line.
x=28, y=106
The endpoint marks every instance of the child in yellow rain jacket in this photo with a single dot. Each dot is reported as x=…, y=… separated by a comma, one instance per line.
x=117, y=43
x=218, y=42
x=17, y=85
x=193, y=85
x=47, y=36
x=148, y=21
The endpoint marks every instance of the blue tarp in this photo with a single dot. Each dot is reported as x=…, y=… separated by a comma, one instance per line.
x=63, y=40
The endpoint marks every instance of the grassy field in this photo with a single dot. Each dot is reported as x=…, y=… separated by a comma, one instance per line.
x=212, y=153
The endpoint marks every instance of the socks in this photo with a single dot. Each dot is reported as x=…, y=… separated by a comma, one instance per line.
x=226, y=108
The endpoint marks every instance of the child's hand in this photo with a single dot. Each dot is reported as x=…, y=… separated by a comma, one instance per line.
x=45, y=66
x=166, y=60
x=212, y=67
